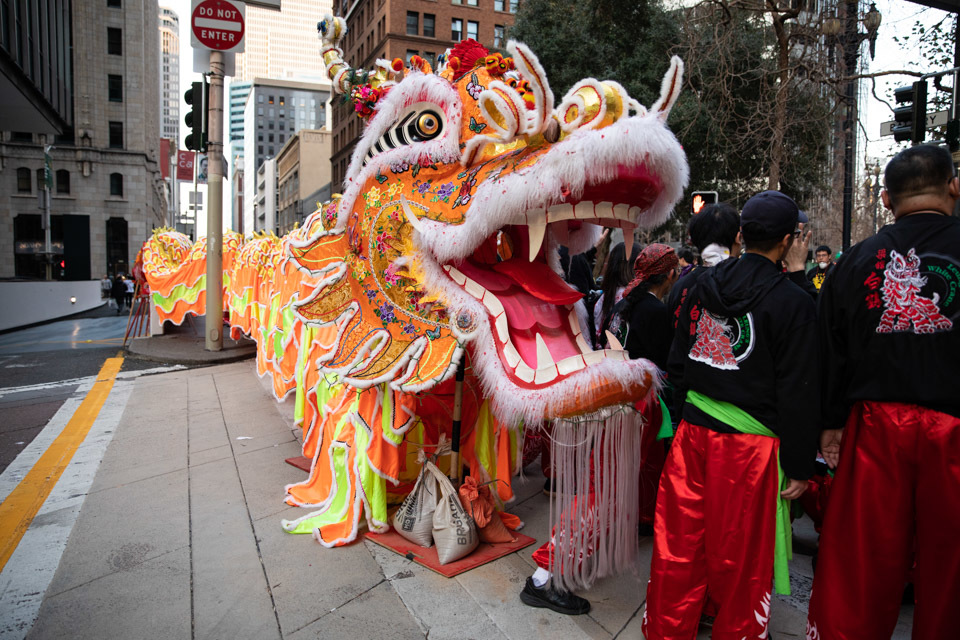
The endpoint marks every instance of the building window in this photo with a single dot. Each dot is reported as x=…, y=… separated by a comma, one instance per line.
x=41, y=179
x=116, y=135
x=114, y=4
x=63, y=181
x=114, y=41
x=259, y=111
x=498, y=5
x=116, y=184
x=410, y=54
x=413, y=23
x=514, y=5
x=21, y=136
x=259, y=137
x=473, y=29
x=498, y=36
x=260, y=98
x=115, y=88
x=23, y=180
x=429, y=25
x=456, y=29
x=472, y=3
x=260, y=149
x=281, y=100
x=270, y=100
x=270, y=151
x=270, y=138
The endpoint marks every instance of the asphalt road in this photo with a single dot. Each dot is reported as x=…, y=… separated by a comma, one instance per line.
x=43, y=366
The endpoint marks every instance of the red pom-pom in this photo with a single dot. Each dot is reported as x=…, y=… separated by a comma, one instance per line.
x=397, y=64
x=469, y=52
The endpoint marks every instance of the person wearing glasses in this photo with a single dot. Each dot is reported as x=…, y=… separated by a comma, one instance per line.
x=746, y=350
x=891, y=414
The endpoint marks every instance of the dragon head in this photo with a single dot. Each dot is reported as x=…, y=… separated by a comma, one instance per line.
x=458, y=195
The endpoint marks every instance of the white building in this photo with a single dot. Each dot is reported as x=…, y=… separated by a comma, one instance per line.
x=266, y=201
x=283, y=44
x=169, y=75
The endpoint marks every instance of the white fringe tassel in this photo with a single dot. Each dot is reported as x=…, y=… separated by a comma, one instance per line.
x=595, y=540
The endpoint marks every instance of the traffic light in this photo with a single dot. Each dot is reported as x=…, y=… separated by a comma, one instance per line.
x=910, y=119
x=702, y=199
x=196, y=96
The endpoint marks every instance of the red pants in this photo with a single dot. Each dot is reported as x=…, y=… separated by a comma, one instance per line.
x=896, y=491
x=715, y=530
x=652, y=456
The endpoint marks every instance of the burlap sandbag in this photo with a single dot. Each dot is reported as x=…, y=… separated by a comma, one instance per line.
x=414, y=519
x=453, y=530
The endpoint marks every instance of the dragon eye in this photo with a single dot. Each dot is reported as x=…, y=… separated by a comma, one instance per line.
x=425, y=127
x=420, y=122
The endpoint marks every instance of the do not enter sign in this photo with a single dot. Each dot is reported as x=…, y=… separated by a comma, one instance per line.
x=217, y=25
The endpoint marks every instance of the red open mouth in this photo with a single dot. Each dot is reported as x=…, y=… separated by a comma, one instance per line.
x=531, y=309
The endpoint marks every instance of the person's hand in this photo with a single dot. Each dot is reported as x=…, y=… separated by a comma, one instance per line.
x=830, y=446
x=602, y=238
x=796, y=258
x=794, y=490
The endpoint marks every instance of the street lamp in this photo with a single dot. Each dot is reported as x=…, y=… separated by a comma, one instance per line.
x=846, y=32
x=876, y=194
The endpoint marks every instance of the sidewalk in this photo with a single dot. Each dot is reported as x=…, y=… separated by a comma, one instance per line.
x=185, y=344
x=180, y=537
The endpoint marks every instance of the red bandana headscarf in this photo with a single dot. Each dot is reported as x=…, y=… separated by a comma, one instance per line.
x=655, y=259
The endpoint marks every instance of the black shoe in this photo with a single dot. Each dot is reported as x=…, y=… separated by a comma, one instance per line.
x=548, y=488
x=560, y=601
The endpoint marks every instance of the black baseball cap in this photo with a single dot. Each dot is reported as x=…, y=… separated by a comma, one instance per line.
x=770, y=214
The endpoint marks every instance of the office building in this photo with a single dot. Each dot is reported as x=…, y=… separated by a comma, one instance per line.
x=303, y=177
x=402, y=29
x=107, y=193
x=275, y=110
x=169, y=75
x=36, y=83
x=283, y=44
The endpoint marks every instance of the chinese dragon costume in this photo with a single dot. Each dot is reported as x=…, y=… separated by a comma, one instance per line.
x=442, y=252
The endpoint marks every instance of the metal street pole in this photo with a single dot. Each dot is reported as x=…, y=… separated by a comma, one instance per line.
x=214, y=316
x=851, y=50
x=47, y=249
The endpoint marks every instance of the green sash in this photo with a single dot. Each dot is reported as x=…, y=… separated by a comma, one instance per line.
x=743, y=422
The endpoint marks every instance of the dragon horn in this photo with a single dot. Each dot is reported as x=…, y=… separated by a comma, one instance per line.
x=332, y=31
x=670, y=88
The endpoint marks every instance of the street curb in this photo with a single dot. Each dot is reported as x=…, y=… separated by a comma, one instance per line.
x=156, y=353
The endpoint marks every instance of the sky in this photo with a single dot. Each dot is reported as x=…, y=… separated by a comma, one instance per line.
x=898, y=16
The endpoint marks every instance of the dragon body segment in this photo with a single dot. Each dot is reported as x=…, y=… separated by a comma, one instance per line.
x=441, y=251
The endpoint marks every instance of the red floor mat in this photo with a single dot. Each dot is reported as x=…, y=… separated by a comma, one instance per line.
x=427, y=557
x=300, y=462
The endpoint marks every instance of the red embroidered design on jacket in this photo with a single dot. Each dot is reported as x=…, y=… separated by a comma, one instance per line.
x=903, y=305
x=713, y=345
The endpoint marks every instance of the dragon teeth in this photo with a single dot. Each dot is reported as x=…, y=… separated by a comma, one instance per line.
x=537, y=229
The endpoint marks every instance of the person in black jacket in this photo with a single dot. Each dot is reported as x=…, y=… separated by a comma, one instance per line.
x=890, y=347
x=824, y=265
x=645, y=331
x=746, y=348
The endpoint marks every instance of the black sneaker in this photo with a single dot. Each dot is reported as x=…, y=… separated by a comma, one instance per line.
x=560, y=601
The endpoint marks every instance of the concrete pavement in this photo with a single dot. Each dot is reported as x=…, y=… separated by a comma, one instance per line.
x=179, y=536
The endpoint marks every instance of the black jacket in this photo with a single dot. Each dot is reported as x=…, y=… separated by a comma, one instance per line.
x=889, y=312
x=646, y=325
x=747, y=335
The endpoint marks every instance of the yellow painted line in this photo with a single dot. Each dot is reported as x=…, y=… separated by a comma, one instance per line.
x=23, y=503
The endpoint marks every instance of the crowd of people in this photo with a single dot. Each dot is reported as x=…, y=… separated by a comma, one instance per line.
x=119, y=290
x=829, y=387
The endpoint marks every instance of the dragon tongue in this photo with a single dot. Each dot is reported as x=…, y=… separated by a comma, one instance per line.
x=539, y=280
